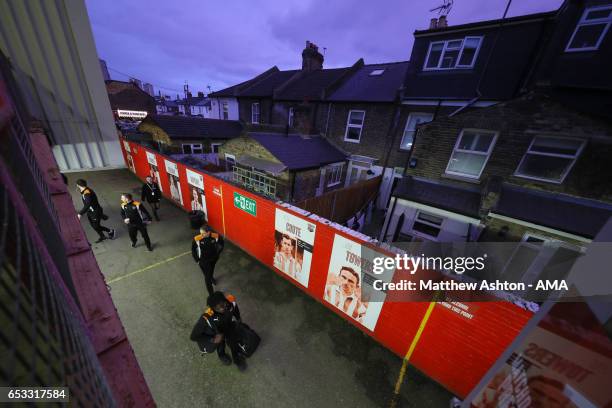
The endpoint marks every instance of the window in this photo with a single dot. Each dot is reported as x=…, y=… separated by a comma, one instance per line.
x=377, y=72
x=255, y=112
x=214, y=147
x=549, y=158
x=427, y=224
x=290, y=117
x=452, y=54
x=354, y=124
x=334, y=175
x=255, y=180
x=591, y=29
x=414, y=120
x=195, y=148
x=230, y=160
x=225, y=110
x=471, y=153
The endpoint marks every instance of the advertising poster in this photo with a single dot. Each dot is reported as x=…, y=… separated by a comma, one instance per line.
x=130, y=161
x=568, y=366
x=293, y=245
x=175, y=184
x=153, y=169
x=126, y=144
x=349, y=282
x=196, y=185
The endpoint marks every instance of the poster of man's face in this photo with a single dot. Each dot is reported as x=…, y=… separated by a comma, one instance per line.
x=154, y=174
x=196, y=185
x=349, y=282
x=293, y=245
x=130, y=161
x=175, y=184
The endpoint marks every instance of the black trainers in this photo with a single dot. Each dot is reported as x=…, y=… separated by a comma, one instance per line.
x=241, y=364
x=100, y=240
x=111, y=234
x=133, y=245
x=225, y=359
x=150, y=249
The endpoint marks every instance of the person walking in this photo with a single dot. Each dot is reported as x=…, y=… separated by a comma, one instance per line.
x=219, y=326
x=151, y=194
x=136, y=216
x=94, y=211
x=205, y=249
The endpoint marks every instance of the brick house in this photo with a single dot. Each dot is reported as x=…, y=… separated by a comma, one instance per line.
x=289, y=167
x=189, y=135
x=127, y=100
x=531, y=169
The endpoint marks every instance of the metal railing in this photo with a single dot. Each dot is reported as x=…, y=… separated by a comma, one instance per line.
x=43, y=341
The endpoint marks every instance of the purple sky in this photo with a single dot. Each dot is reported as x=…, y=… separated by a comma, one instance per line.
x=220, y=43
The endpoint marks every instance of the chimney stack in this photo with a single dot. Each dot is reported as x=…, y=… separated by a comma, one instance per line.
x=442, y=22
x=312, y=59
x=433, y=23
x=200, y=94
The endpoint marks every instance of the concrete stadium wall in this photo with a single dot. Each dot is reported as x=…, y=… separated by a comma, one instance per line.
x=453, y=349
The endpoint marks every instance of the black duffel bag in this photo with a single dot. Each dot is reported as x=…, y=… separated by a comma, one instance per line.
x=203, y=333
x=247, y=339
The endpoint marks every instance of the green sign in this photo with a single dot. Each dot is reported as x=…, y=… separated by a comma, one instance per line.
x=246, y=204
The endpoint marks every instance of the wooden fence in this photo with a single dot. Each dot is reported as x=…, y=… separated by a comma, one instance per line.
x=342, y=204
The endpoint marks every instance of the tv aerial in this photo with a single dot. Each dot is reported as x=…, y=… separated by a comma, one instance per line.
x=444, y=8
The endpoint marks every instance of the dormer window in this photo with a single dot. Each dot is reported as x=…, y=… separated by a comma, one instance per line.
x=452, y=54
x=377, y=72
x=591, y=29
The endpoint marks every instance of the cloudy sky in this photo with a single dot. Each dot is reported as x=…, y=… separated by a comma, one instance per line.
x=219, y=43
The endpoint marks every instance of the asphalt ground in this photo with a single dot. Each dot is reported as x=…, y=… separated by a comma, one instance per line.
x=308, y=357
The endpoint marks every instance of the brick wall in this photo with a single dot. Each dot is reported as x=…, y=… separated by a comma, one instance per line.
x=378, y=138
x=517, y=122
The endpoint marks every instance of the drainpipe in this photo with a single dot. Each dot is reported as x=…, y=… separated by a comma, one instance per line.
x=390, y=215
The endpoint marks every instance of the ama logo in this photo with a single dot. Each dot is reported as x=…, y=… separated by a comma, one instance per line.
x=551, y=285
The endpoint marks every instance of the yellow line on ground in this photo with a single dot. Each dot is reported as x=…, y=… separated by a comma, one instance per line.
x=415, y=340
x=146, y=268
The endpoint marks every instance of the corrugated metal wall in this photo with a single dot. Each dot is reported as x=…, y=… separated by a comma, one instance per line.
x=53, y=56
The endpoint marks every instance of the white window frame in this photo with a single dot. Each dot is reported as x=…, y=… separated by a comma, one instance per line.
x=410, y=115
x=582, y=22
x=192, y=146
x=212, y=147
x=255, y=112
x=225, y=110
x=290, y=116
x=487, y=153
x=348, y=125
x=574, y=158
x=431, y=224
x=335, y=172
x=445, y=47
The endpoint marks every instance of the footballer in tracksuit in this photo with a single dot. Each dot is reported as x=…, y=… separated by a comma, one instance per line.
x=136, y=216
x=205, y=249
x=218, y=325
x=94, y=211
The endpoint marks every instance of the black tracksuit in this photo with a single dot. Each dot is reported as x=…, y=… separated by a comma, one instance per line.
x=205, y=251
x=220, y=324
x=135, y=212
x=94, y=211
x=152, y=195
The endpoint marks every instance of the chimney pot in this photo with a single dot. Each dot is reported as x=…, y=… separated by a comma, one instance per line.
x=442, y=22
x=433, y=23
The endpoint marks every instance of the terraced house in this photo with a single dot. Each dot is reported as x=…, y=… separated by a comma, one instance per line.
x=534, y=168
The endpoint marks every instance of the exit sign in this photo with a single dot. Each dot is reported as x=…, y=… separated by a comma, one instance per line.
x=246, y=204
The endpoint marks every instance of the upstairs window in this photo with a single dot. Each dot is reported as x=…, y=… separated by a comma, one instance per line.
x=225, y=111
x=414, y=120
x=549, y=158
x=195, y=148
x=471, y=153
x=377, y=72
x=452, y=54
x=255, y=112
x=354, y=125
x=591, y=29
